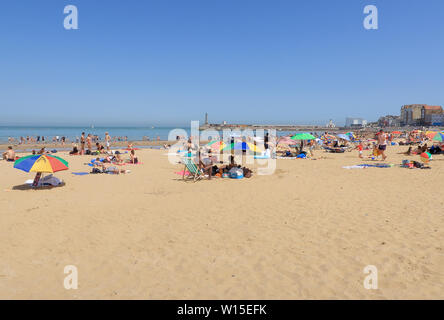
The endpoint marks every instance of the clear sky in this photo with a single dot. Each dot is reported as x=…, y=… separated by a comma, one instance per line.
x=166, y=62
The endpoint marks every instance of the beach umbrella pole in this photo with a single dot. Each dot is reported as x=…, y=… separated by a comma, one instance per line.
x=37, y=179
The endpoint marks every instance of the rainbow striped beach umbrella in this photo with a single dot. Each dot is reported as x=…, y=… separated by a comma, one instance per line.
x=438, y=137
x=241, y=146
x=217, y=144
x=45, y=163
x=426, y=156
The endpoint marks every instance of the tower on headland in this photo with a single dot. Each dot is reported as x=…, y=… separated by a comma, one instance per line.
x=206, y=118
x=330, y=124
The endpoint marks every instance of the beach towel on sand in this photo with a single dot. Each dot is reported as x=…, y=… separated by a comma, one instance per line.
x=187, y=173
x=80, y=173
x=353, y=167
x=363, y=166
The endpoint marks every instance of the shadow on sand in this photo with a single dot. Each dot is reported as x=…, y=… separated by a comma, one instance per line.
x=24, y=187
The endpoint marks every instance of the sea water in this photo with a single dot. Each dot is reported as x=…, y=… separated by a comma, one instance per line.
x=73, y=133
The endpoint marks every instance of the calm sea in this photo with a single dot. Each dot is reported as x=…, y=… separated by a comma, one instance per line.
x=71, y=133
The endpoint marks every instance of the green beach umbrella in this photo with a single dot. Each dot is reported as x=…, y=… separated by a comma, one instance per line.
x=303, y=136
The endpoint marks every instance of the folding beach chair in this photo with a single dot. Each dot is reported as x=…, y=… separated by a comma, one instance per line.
x=194, y=170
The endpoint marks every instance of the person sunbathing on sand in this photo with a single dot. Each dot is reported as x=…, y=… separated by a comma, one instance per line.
x=42, y=151
x=104, y=168
x=133, y=158
x=97, y=163
x=115, y=170
x=9, y=155
x=407, y=153
x=231, y=165
x=117, y=159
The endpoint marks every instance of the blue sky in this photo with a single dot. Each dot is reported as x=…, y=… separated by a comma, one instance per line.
x=166, y=62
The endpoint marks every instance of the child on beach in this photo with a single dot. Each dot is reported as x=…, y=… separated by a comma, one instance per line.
x=107, y=141
x=360, y=148
x=375, y=153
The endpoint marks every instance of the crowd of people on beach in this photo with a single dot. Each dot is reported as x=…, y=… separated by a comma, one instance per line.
x=418, y=142
x=62, y=140
x=376, y=143
x=86, y=144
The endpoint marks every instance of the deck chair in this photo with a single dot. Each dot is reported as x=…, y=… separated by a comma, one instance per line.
x=194, y=170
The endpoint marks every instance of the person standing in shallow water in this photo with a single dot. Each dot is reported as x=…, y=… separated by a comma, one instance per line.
x=107, y=141
x=89, y=142
x=82, y=143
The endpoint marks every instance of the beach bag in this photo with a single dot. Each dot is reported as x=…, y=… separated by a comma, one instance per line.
x=247, y=172
x=236, y=173
x=417, y=164
x=96, y=170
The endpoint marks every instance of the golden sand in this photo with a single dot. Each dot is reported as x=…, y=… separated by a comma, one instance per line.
x=307, y=231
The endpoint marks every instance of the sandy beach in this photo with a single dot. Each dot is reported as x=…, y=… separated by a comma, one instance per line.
x=305, y=232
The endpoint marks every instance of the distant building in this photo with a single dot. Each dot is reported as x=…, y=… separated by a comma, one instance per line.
x=206, y=118
x=432, y=115
x=389, y=121
x=330, y=124
x=411, y=114
x=421, y=114
x=355, y=122
x=436, y=119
